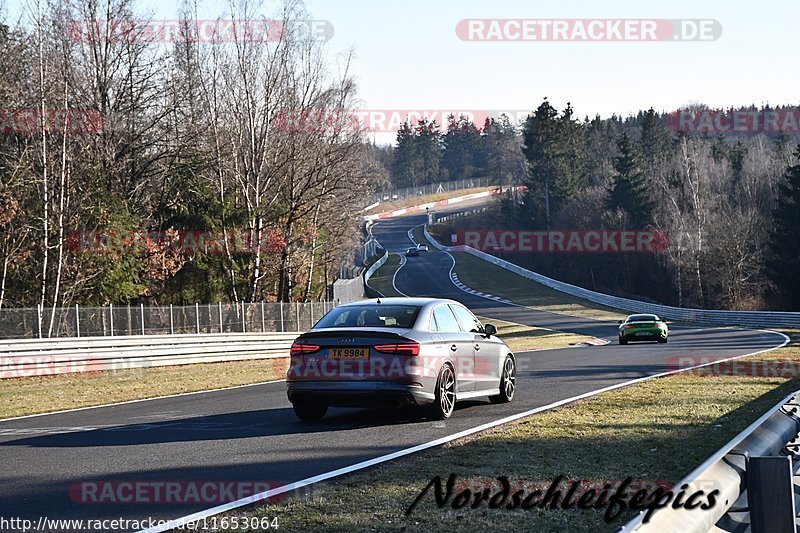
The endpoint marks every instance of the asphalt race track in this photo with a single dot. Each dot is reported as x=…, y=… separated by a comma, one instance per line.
x=250, y=434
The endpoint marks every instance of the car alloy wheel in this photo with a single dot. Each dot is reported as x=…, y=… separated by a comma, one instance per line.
x=445, y=400
x=508, y=382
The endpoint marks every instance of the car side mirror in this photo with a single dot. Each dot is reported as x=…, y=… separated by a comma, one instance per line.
x=489, y=330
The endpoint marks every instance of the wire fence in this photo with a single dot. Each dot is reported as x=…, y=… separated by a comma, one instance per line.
x=114, y=320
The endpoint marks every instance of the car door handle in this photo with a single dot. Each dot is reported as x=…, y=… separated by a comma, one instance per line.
x=454, y=347
x=477, y=346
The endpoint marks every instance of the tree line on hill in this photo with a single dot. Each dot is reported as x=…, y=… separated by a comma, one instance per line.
x=728, y=202
x=180, y=171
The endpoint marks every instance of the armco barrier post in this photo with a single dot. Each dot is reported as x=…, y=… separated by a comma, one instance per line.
x=171, y=322
x=141, y=311
x=197, y=317
x=111, y=318
x=770, y=494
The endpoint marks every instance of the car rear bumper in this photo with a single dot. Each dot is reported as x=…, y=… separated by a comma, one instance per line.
x=644, y=335
x=358, y=394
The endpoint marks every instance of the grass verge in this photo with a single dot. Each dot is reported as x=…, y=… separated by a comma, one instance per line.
x=482, y=275
x=655, y=431
x=418, y=200
x=34, y=395
x=520, y=337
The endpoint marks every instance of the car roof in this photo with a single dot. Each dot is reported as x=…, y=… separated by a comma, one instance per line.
x=401, y=301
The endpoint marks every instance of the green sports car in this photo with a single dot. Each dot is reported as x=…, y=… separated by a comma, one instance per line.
x=643, y=328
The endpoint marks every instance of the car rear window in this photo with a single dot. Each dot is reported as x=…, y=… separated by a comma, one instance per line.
x=642, y=318
x=370, y=316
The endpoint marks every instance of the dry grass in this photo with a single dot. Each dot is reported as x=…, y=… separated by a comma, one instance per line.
x=481, y=275
x=381, y=280
x=520, y=337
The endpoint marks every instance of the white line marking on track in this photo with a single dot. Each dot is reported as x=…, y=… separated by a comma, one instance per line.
x=403, y=262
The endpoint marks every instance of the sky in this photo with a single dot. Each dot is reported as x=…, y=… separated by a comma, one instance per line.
x=409, y=56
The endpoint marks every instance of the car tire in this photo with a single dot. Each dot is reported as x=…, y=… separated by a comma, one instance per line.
x=508, y=382
x=444, y=396
x=310, y=411
x=662, y=341
x=623, y=341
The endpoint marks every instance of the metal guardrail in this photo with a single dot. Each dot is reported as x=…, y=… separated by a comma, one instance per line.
x=375, y=266
x=461, y=214
x=114, y=320
x=34, y=357
x=754, y=319
x=755, y=475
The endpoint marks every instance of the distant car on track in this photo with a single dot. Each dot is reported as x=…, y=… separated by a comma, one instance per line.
x=396, y=352
x=643, y=328
x=422, y=247
x=412, y=252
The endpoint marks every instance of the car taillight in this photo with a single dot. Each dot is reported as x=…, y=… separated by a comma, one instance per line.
x=399, y=348
x=300, y=348
x=627, y=326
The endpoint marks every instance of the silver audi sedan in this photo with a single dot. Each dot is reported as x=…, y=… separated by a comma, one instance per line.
x=395, y=352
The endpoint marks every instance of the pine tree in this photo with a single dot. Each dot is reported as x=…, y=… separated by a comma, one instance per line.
x=656, y=142
x=428, y=153
x=504, y=164
x=783, y=265
x=462, y=149
x=403, y=169
x=554, y=147
x=630, y=191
